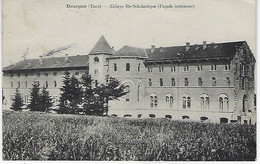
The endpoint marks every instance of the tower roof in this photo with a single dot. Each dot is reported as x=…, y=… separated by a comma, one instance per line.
x=101, y=47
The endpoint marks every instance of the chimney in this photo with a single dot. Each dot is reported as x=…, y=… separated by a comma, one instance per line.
x=66, y=57
x=204, y=45
x=152, y=48
x=40, y=60
x=187, y=46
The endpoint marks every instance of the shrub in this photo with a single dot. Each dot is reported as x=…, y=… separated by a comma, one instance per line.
x=152, y=115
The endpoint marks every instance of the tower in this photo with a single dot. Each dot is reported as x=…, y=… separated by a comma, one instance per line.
x=98, y=62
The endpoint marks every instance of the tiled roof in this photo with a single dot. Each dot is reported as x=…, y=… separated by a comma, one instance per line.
x=213, y=50
x=128, y=51
x=50, y=63
x=101, y=47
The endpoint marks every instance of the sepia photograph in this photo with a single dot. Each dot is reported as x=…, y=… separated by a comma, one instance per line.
x=134, y=80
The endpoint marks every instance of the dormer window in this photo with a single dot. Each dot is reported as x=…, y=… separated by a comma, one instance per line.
x=227, y=67
x=127, y=66
x=186, y=68
x=213, y=67
x=96, y=59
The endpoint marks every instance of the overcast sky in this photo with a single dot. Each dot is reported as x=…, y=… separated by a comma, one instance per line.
x=42, y=25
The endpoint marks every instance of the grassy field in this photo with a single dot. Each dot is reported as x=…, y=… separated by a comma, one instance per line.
x=45, y=136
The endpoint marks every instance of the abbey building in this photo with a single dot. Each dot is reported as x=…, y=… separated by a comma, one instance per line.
x=213, y=82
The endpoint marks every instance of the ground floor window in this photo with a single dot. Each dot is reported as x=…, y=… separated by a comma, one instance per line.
x=186, y=101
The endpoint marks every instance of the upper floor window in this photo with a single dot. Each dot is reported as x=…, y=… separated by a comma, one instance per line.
x=186, y=81
x=204, y=102
x=127, y=67
x=115, y=67
x=46, y=84
x=150, y=69
x=173, y=82
x=199, y=67
x=26, y=84
x=243, y=83
x=96, y=59
x=169, y=100
x=173, y=69
x=18, y=84
x=186, y=102
x=214, y=81
x=213, y=67
x=96, y=83
x=161, y=82
x=153, y=101
x=12, y=84
x=150, y=82
x=242, y=69
x=55, y=84
x=228, y=81
x=160, y=69
x=96, y=71
x=199, y=81
x=227, y=67
x=139, y=67
x=138, y=93
x=127, y=97
x=186, y=68
x=223, y=102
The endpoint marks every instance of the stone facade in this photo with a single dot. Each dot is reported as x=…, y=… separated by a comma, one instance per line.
x=209, y=81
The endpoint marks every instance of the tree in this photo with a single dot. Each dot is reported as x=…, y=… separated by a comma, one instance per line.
x=17, y=101
x=71, y=95
x=112, y=90
x=35, y=98
x=45, y=100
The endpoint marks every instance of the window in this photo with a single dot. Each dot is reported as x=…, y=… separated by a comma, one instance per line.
x=173, y=69
x=150, y=69
x=46, y=74
x=127, y=97
x=96, y=71
x=26, y=84
x=139, y=67
x=138, y=93
x=115, y=67
x=245, y=105
x=127, y=66
x=213, y=67
x=54, y=73
x=55, y=84
x=161, y=82
x=169, y=100
x=243, y=84
x=227, y=67
x=96, y=83
x=46, y=84
x=199, y=67
x=153, y=101
x=150, y=82
x=204, y=102
x=12, y=84
x=173, y=82
x=214, y=81
x=186, y=102
x=18, y=84
x=186, y=68
x=223, y=102
x=96, y=59
x=228, y=81
x=186, y=81
x=199, y=81
x=160, y=69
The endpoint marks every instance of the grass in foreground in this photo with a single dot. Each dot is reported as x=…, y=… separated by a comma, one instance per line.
x=43, y=136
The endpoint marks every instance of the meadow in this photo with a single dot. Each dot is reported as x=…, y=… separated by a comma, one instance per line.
x=46, y=136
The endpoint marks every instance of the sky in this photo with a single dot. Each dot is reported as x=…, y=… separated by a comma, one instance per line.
x=43, y=25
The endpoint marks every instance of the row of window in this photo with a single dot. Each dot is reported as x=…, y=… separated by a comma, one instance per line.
x=186, y=81
x=128, y=66
x=38, y=74
x=186, y=101
x=46, y=85
x=187, y=68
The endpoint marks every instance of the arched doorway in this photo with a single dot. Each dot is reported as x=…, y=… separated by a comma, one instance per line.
x=244, y=109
